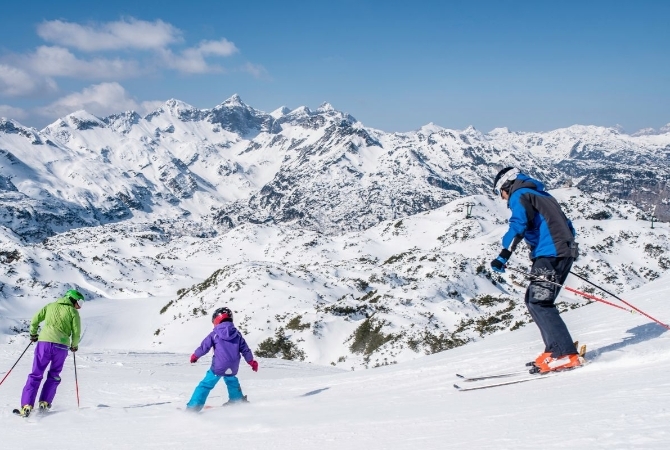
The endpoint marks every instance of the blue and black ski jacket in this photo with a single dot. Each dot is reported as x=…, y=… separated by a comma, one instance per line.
x=538, y=219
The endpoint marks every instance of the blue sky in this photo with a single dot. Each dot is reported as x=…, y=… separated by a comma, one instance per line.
x=529, y=66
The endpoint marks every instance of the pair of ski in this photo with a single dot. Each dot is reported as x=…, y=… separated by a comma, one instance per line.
x=517, y=376
x=499, y=379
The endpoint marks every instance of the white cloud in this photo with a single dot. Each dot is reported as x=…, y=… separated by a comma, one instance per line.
x=35, y=72
x=12, y=113
x=256, y=70
x=100, y=99
x=123, y=34
x=189, y=61
x=58, y=61
x=221, y=47
x=192, y=60
x=16, y=82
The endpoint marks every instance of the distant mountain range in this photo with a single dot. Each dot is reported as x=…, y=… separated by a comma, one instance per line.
x=332, y=242
x=320, y=170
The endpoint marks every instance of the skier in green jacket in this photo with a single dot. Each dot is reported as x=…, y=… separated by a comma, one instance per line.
x=61, y=330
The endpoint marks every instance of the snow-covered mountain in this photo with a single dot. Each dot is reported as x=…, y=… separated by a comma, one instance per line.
x=333, y=242
x=393, y=292
x=320, y=170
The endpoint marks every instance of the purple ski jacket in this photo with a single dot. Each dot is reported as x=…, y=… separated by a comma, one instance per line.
x=228, y=343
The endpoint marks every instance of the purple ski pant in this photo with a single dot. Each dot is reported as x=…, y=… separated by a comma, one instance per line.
x=45, y=353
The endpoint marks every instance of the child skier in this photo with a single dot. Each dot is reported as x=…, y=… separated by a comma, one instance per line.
x=61, y=323
x=228, y=344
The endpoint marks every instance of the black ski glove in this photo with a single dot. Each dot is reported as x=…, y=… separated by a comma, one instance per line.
x=498, y=264
x=34, y=337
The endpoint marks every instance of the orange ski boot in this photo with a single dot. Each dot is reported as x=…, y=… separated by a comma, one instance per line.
x=539, y=359
x=565, y=362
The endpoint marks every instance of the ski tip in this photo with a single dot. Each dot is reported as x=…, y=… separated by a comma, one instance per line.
x=457, y=386
x=460, y=376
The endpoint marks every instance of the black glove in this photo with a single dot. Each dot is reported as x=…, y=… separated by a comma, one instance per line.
x=74, y=348
x=34, y=337
x=498, y=264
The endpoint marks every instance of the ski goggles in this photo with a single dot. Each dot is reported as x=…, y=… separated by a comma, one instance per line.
x=509, y=176
x=76, y=302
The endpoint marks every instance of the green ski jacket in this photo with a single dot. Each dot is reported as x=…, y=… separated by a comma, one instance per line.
x=61, y=322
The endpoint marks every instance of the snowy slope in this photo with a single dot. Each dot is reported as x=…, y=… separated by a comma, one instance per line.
x=131, y=399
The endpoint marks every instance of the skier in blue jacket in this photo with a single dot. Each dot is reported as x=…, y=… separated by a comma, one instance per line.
x=228, y=344
x=538, y=219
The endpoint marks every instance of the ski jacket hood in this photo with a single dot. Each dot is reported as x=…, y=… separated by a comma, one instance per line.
x=228, y=345
x=538, y=219
x=226, y=331
x=62, y=324
x=524, y=181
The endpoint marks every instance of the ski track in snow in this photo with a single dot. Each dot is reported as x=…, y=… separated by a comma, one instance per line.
x=133, y=399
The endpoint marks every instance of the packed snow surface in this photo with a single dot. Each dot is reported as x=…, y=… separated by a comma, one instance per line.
x=135, y=399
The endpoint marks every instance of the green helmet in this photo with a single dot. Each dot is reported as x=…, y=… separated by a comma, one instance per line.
x=74, y=296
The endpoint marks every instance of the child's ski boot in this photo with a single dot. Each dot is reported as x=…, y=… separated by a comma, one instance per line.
x=236, y=402
x=23, y=411
x=44, y=407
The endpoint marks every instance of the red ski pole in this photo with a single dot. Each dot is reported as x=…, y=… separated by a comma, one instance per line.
x=621, y=300
x=597, y=299
x=17, y=361
x=584, y=294
x=589, y=296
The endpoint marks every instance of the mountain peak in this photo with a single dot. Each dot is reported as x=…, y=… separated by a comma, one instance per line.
x=234, y=100
x=645, y=132
x=83, y=120
x=279, y=112
x=81, y=114
x=430, y=128
x=175, y=105
x=325, y=107
x=301, y=110
x=499, y=131
x=652, y=131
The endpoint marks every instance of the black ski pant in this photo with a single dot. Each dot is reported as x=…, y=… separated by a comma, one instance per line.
x=540, y=297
